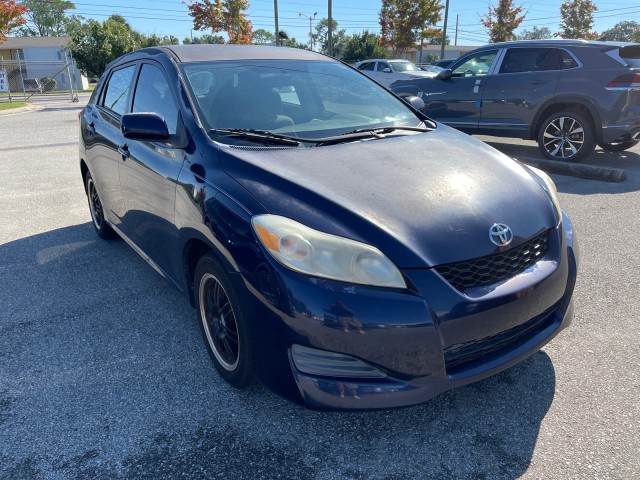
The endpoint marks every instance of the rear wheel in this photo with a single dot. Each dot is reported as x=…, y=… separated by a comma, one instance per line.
x=223, y=326
x=566, y=136
x=618, y=146
x=97, y=212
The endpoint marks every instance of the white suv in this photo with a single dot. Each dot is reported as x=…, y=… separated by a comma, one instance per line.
x=385, y=72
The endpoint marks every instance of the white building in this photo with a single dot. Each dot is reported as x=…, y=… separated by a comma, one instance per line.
x=40, y=57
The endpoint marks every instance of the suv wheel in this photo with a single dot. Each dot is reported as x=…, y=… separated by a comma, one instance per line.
x=566, y=136
x=618, y=146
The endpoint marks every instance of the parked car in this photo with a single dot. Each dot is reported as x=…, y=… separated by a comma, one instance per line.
x=385, y=72
x=335, y=242
x=568, y=95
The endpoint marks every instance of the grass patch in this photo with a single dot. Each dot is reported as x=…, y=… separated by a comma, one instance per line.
x=10, y=105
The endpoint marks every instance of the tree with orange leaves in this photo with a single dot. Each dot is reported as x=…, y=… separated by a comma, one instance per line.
x=10, y=17
x=222, y=15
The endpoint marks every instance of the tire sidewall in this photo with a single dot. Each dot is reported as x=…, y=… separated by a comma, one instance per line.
x=588, y=145
x=244, y=373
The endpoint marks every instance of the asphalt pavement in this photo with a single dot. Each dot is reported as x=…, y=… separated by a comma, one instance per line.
x=103, y=373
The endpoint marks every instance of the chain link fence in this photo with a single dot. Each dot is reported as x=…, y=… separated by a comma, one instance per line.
x=21, y=80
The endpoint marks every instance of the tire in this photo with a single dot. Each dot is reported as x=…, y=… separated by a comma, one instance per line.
x=566, y=136
x=618, y=146
x=97, y=212
x=223, y=325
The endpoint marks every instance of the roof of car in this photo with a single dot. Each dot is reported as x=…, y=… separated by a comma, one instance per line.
x=556, y=42
x=199, y=53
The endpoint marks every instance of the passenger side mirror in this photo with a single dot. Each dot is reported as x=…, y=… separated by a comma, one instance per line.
x=444, y=74
x=415, y=102
x=144, y=126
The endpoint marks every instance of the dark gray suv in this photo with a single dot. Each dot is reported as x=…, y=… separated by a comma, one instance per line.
x=569, y=95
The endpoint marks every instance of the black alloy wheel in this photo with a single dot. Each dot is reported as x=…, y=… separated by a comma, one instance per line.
x=222, y=323
x=566, y=136
x=618, y=146
x=97, y=212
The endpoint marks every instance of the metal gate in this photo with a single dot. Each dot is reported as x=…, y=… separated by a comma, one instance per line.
x=21, y=80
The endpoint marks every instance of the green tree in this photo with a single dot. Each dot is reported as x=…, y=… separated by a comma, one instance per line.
x=626, y=31
x=535, y=34
x=222, y=16
x=204, y=39
x=46, y=18
x=155, y=40
x=361, y=46
x=502, y=20
x=94, y=44
x=263, y=37
x=321, y=37
x=404, y=22
x=577, y=19
x=436, y=40
x=10, y=17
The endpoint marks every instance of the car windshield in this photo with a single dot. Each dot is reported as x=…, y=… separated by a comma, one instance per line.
x=404, y=67
x=305, y=99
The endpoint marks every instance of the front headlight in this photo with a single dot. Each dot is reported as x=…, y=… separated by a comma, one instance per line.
x=319, y=254
x=546, y=182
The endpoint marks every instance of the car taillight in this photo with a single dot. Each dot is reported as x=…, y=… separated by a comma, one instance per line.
x=628, y=80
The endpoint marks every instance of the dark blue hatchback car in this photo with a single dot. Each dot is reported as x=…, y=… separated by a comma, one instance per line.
x=337, y=244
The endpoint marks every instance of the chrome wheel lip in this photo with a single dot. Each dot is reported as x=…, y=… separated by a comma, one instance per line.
x=561, y=137
x=216, y=328
x=95, y=206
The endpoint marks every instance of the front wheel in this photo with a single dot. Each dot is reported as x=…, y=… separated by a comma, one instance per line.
x=618, y=146
x=222, y=323
x=566, y=136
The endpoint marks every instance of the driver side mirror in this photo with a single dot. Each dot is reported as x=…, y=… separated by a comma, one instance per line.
x=386, y=70
x=415, y=102
x=444, y=74
x=144, y=126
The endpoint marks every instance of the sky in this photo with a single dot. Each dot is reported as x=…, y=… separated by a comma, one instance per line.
x=170, y=17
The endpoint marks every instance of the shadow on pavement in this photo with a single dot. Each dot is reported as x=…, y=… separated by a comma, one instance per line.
x=103, y=374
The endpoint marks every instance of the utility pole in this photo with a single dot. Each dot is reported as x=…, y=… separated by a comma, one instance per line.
x=275, y=14
x=330, y=31
x=456, y=42
x=310, y=17
x=444, y=30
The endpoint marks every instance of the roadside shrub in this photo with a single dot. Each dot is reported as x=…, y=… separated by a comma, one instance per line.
x=48, y=84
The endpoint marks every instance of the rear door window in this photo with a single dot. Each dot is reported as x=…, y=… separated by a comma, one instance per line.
x=519, y=60
x=368, y=66
x=116, y=97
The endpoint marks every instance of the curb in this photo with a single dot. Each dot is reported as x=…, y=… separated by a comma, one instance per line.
x=28, y=108
x=592, y=172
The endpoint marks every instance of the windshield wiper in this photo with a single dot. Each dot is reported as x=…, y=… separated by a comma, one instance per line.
x=260, y=136
x=389, y=129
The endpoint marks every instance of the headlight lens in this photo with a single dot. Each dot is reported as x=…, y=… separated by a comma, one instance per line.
x=309, y=251
x=546, y=182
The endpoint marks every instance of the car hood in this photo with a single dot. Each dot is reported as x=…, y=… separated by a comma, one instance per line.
x=422, y=199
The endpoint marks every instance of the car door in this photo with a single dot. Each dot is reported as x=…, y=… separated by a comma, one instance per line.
x=149, y=171
x=102, y=138
x=457, y=100
x=525, y=79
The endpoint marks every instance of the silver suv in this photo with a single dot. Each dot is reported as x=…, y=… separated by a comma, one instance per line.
x=568, y=95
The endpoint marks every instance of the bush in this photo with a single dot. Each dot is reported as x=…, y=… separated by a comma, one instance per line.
x=48, y=84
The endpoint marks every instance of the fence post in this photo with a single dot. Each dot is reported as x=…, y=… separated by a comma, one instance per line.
x=73, y=96
x=24, y=91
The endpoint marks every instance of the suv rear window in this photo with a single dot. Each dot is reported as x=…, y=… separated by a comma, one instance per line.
x=518, y=60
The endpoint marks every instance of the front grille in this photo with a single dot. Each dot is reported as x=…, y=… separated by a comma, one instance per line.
x=462, y=355
x=494, y=268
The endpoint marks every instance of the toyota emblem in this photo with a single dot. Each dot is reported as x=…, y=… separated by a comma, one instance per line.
x=500, y=234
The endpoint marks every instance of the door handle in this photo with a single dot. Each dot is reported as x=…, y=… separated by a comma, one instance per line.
x=91, y=129
x=124, y=151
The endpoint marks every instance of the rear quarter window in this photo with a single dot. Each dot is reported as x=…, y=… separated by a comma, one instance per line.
x=566, y=60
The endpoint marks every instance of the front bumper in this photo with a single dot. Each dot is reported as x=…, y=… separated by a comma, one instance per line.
x=426, y=339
